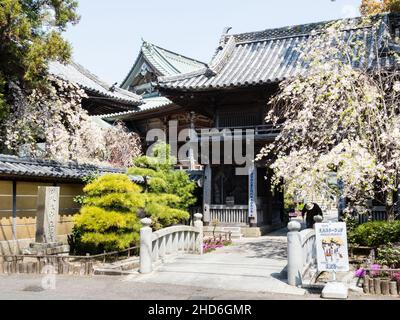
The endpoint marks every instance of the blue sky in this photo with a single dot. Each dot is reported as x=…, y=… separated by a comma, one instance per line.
x=108, y=37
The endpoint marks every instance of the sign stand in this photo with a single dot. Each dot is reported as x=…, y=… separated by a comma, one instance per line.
x=332, y=256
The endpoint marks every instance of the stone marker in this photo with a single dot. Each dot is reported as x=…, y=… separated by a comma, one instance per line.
x=46, y=242
x=335, y=290
x=47, y=214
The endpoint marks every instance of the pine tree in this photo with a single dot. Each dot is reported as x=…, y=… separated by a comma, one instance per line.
x=169, y=192
x=30, y=36
x=109, y=219
x=370, y=7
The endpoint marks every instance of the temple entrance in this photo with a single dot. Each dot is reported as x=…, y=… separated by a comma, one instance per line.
x=227, y=187
x=241, y=200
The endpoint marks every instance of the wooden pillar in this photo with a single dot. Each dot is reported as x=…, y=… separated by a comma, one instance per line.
x=207, y=194
x=253, y=195
x=173, y=137
x=166, y=129
x=216, y=118
x=14, y=209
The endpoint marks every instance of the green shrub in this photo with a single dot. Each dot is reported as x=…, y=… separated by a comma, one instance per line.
x=351, y=222
x=389, y=255
x=169, y=192
x=108, y=219
x=375, y=234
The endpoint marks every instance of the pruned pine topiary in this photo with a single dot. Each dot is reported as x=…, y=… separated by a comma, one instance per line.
x=108, y=219
x=169, y=192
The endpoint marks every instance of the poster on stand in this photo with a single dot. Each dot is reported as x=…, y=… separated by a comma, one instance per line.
x=332, y=248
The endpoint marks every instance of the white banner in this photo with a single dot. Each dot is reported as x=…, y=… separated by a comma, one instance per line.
x=332, y=248
x=252, y=191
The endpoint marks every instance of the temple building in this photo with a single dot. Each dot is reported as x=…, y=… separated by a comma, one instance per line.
x=156, y=110
x=231, y=94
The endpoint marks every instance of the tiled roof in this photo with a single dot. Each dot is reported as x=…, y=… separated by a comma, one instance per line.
x=92, y=84
x=12, y=166
x=263, y=57
x=98, y=120
x=149, y=104
x=163, y=61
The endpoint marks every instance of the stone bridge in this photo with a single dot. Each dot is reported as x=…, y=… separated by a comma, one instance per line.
x=253, y=265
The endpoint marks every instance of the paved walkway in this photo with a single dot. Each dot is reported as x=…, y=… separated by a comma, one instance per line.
x=252, y=265
x=28, y=287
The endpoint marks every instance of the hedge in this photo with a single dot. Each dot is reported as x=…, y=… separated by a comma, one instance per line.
x=375, y=234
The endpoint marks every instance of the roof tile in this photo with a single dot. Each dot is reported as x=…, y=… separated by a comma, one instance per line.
x=264, y=57
x=23, y=167
x=85, y=79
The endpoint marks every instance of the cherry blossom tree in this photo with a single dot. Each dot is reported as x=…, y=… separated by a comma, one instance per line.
x=52, y=116
x=341, y=116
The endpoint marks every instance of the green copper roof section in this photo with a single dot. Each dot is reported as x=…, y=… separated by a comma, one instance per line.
x=168, y=62
x=163, y=61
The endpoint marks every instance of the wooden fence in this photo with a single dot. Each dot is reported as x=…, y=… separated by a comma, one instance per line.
x=217, y=236
x=376, y=214
x=72, y=265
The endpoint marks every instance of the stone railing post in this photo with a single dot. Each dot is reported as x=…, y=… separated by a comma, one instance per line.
x=295, y=254
x=146, y=263
x=318, y=219
x=198, y=223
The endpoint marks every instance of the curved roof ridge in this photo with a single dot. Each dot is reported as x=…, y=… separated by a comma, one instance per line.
x=156, y=57
x=294, y=30
x=177, y=54
x=87, y=80
x=148, y=49
x=271, y=55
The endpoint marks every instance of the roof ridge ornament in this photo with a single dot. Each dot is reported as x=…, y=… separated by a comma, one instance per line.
x=222, y=58
x=226, y=30
x=223, y=37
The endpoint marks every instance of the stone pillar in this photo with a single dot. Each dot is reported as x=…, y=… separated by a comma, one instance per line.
x=295, y=259
x=47, y=215
x=198, y=223
x=253, y=218
x=318, y=219
x=207, y=194
x=46, y=241
x=146, y=262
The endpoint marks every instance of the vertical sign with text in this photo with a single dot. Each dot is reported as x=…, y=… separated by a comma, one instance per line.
x=252, y=191
x=332, y=248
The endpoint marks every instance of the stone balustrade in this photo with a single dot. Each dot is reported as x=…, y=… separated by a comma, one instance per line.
x=156, y=246
x=301, y=252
